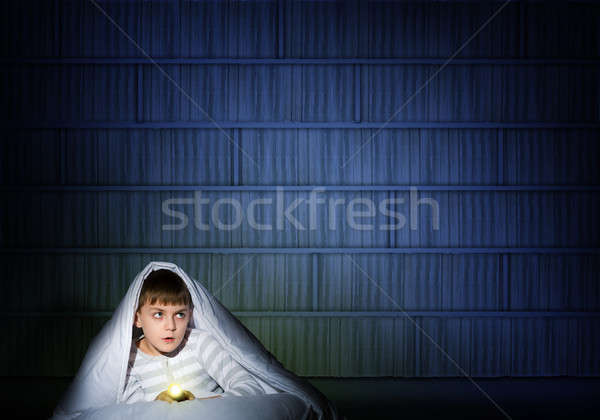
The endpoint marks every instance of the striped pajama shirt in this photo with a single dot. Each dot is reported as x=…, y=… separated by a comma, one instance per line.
x=200, y=365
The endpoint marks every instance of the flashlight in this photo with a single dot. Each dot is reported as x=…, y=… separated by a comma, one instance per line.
x=176, y=392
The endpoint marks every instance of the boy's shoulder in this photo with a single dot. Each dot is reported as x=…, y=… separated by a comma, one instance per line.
x=200, y=338
x=195, y=335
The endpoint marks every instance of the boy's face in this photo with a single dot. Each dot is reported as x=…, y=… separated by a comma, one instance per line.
x=164, y=326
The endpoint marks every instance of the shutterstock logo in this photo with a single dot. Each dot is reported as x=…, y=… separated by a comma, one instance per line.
x=323, y=213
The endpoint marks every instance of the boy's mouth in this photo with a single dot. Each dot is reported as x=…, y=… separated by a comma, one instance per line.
x=168, y=339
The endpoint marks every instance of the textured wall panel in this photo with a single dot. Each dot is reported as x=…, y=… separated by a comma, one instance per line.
x=490, y=85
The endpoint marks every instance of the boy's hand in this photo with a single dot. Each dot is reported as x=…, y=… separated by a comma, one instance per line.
x=164, y=396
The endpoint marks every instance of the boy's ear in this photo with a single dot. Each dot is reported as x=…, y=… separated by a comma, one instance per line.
x=138, y=323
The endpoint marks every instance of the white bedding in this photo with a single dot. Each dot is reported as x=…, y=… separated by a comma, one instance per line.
x=280, y=406
x=97, y=390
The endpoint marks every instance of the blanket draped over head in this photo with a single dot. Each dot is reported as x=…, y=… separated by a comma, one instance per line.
x=100, y=380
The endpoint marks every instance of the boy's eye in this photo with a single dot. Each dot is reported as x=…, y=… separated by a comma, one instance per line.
x=159, y=314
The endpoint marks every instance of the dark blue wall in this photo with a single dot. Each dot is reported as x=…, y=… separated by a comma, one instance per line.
x=489, y=109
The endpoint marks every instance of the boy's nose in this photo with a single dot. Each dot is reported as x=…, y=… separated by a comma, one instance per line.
x=171, y=324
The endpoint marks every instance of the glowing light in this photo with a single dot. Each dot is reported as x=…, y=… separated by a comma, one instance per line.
x=175, y=392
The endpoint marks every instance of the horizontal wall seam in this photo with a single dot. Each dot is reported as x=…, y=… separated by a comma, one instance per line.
x=249, y=250
x=323, y=188
x=347, y=314
x=298, y=61
x=376, y=125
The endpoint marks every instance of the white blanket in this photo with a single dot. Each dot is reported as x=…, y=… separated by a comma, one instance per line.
x=279, y=406
x=100, y=382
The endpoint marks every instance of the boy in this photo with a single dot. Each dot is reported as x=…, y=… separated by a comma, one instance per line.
x=189, y=339
x=169, y=352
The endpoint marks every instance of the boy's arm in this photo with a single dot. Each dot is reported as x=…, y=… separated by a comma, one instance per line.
x=229, y=374
x=133, y=390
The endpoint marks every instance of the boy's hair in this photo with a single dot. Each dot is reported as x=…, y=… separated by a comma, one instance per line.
x=166, y=287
